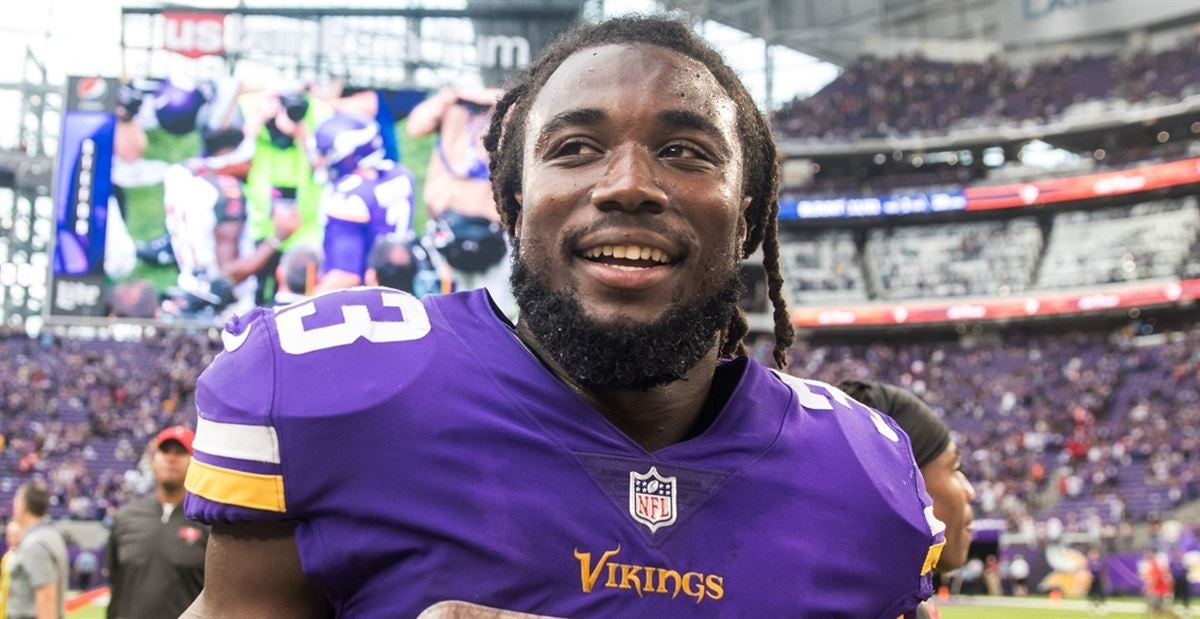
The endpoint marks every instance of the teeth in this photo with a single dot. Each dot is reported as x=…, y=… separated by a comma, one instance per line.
x=630, y=252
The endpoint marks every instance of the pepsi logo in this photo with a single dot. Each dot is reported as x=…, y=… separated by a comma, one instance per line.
x=91, y=88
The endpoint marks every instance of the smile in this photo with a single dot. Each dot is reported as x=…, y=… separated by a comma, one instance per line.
x=628, y=256
x=627, y=267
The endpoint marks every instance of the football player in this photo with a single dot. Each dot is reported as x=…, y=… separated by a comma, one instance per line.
x=613, y=454
x=205, y=219
x=367, y=196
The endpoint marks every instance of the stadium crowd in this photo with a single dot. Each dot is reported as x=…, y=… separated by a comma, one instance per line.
x=1062, y=433
x=913, y=95
x=79, y=414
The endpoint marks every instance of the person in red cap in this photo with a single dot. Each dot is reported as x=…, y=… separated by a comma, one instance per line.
x=155, y=554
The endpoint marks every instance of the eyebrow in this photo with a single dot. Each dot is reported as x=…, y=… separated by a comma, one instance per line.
x=591, y=117
x=684, y=119
x=586, y=117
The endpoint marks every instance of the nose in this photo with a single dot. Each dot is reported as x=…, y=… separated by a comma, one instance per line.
x=629, y=183
x=969, y=487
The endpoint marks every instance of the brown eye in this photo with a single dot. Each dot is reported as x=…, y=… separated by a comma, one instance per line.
x=682, y=151
x=575, y=148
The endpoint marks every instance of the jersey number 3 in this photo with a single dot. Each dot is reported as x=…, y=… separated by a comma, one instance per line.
x=356, y=323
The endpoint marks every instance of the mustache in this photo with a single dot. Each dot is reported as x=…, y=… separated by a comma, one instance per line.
x=572, y=236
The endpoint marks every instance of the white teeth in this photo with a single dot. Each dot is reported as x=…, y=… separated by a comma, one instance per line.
x=629, y=252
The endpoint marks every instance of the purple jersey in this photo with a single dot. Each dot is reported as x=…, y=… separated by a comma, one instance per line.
x=359, y=210
x=429, y=460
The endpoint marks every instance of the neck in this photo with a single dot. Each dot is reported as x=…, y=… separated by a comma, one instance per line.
x=28, y=520
x=172, y=495
x=654, y=418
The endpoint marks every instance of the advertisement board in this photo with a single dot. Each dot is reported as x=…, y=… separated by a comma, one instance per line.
x=81, y=191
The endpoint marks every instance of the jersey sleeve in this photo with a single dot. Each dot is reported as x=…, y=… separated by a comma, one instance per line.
x=236, y=473
x=884, y=453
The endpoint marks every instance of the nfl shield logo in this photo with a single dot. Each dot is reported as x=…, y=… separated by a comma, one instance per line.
x=652, y=499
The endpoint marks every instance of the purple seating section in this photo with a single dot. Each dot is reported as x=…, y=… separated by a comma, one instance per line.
x=904, y=96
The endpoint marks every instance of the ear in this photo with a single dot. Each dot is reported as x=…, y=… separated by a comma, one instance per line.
x=516, y=233
x=743, y=223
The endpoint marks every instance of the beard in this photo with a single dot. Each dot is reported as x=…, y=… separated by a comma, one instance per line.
x=623, y=357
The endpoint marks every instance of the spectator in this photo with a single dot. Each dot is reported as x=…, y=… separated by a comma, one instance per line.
x=1097, y=589
x=86, y=564
x=1183, y=588
x=1156, y=579
x=12, y=538
x=1018, y=569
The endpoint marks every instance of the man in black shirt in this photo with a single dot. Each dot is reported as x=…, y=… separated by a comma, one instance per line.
x=155, y=555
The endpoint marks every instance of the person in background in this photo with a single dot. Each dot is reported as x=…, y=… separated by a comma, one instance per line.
x=368, y=197
x=1019, y=570
x=458, y=190
x=85, y=567
x=1183, y=588
x=1097, y=593
x=281, y=176
x=991, y=576
x=12, y=538
x=1156, y=585
x=206, y=218
x=403, y=264
x=297, y=274
x=155, y=554
x=40, y=567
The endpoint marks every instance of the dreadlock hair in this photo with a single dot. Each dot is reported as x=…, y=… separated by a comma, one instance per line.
x=505, y=143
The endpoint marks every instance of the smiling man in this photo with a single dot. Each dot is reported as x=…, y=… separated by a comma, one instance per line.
x=613, y=454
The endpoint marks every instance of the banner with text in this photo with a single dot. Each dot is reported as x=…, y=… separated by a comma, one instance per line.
x=1033, y=305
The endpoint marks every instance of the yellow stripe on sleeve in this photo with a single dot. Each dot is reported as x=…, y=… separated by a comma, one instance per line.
x=931, y=558
x=232, y=487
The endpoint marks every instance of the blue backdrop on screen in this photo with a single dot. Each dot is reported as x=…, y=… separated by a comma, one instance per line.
x=81, y=191
x=82, y=187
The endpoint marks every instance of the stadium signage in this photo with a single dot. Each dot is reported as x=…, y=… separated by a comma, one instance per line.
x=81, y=191
x=342, y=41
x=1049, y=191
x=880, y=206
x=194, y=34
x=979, y=310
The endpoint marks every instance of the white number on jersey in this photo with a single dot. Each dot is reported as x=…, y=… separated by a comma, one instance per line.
x=811, y=399
x=356, y=323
